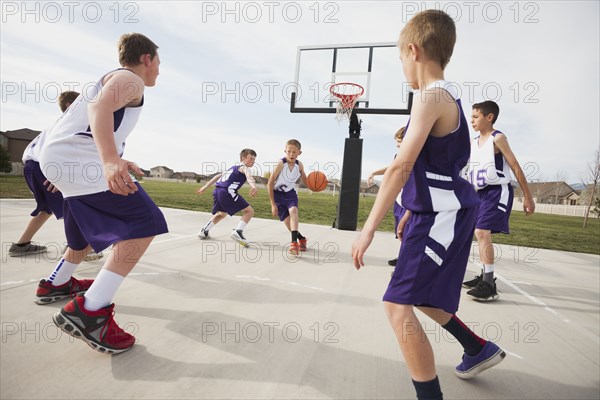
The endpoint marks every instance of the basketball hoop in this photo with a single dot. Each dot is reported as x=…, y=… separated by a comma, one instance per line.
x=348, y=93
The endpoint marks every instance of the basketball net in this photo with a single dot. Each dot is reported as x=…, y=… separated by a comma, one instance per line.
x=348, y=94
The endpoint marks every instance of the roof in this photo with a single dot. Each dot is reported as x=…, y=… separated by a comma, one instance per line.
x=21, y=134
x=545, y=189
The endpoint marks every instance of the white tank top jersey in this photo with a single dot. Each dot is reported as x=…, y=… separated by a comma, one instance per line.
x=286, y=181
x=486, y=168
x=70, y=158
x=32, y=151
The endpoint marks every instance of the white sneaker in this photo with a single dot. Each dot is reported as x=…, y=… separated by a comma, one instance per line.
x=203, y=234
x=238, y=236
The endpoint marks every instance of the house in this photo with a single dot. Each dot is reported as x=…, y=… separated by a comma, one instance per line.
x=185, y=176
x=365, y=188
x=161, y=172
x=550, y=193
x=15, y=142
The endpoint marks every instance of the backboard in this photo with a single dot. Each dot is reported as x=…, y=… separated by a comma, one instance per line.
x=374, y=66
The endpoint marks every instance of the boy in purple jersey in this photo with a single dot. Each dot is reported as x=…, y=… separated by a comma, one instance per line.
x=489, y=169
x=112, y=209
x=227, y=200
x=398, y=209
x=436, y=241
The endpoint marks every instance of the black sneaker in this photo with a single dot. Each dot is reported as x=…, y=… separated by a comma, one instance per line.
x=472, y=283
x=203, y=234
x=392, y=263
x=238, y=236
x=484, y=291
x=25, y=249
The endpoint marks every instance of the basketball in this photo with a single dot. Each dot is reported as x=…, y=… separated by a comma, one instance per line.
x=316, y=181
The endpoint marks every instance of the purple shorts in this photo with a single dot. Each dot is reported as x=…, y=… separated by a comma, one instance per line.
x=224, y=201
x=102, y=219
x=495, y=207
x=432, y=260
x=284, y=201
x=50, y=203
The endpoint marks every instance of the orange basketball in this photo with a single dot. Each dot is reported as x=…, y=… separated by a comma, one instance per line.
x=316, y=181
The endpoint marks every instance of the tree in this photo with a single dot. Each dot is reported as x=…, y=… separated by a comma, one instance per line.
x=593, y=175
x=596, y=209
x=5, y=164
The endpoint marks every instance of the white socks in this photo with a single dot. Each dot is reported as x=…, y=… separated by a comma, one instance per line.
x=100, y=294
x=488, y=268
x=241, y=226
x=208, y=226
x=62, y=272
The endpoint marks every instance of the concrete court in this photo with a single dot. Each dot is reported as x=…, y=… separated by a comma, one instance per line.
x=214, y=320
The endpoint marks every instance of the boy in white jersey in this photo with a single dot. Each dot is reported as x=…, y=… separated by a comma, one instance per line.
x=489, y=172
x=227, y=200
x=49, y=201
x=282, y=193
x=399, y=211
x=436, y=240
x=104, y=206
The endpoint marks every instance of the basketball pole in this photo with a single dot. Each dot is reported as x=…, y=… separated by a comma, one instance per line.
x=347, y=210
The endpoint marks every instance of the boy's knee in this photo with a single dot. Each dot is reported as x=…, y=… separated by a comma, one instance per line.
x=482, y=234
x=399, y=313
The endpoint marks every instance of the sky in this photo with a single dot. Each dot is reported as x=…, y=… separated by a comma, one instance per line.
x=226, y=70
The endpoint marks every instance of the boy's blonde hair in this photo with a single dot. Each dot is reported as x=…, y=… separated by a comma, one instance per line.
x=134, y=45
x=66, y=98
x=294, y=142
x=434, y=32
x=400, y=134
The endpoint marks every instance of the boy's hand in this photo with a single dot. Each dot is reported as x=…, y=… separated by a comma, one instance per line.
x=360, y=246
x=117, y=176
x=371, y=180
x=253, y=191
x=528, y=206
x=51, y=187
x=201, y=190
x=274, y=211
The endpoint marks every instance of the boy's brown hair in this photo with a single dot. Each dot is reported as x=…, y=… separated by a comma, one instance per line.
x=294, y=142
x=400, y=134
x=488, y=107
x=66, y=98
x=134, y=45
x=247, y=152
x=434, y=32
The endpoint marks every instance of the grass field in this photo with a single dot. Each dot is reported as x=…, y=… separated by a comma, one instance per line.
x=544, y=231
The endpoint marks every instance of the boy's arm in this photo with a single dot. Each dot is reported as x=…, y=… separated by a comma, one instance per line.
x=209, y=183
x=121, y=89
x=271, y=187
x=379, y=171
x=502, y=144
x=302, y=173
x=250, y=179
x=425, y=113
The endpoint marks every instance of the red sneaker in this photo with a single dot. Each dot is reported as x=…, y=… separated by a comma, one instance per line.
x=97, y=328
x=46, y=293
x=294, y=248
x=302, y=244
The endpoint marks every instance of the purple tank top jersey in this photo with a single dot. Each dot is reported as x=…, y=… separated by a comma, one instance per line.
x=232, y=179
x=435, y=183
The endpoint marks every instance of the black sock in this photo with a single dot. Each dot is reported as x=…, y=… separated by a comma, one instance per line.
x=466, y=337
x=294, y=236
x=429, y=390
x=300, y=237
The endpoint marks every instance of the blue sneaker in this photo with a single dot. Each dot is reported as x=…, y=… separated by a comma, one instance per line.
x=471, y=366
